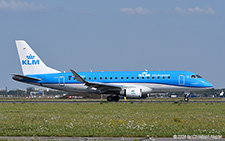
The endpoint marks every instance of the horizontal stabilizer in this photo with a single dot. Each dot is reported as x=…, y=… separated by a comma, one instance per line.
x=20, y=77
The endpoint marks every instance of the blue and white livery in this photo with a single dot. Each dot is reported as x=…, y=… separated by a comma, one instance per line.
x=132, y=84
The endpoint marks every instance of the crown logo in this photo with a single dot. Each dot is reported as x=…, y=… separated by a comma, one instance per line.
x=30, y=56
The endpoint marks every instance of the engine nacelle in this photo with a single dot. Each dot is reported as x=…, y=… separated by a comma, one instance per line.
x=132, y=92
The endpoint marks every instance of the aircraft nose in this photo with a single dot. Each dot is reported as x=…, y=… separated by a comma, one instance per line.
x=207, y=84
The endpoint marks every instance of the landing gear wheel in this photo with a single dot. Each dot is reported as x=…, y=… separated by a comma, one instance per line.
x=186, y=99
x=109, y=98
x=116, y=98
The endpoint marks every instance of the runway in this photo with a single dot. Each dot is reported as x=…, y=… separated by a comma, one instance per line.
x=111, y=102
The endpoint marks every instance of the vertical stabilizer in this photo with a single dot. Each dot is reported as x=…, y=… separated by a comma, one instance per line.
x=29, y=60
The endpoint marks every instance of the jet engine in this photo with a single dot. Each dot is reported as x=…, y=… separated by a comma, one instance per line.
x=132, y=92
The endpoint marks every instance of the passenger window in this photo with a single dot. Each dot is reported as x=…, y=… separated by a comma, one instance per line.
x=74, y=78
x=95, y=78
x=137, y=77
x=110, y=77
x=132, y=77
x=89, y=78
x=168, y=77
x=163, y=77
x=142, y=77
x=105, y=78
x=115, y=77
x=127, y=78
x=153, y=77
x=158, y=77
x=84, y=78
x=69, y=78
x=100, y=78
x=121, y=77
x=147, y=77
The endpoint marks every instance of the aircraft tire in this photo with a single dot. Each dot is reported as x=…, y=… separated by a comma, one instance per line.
x=110, y=98
x=116, y=98
x=186, y=99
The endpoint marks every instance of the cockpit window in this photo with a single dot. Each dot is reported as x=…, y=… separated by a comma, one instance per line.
x=193, y=76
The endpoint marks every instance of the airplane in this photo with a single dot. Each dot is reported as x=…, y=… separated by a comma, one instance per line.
x=131, y=84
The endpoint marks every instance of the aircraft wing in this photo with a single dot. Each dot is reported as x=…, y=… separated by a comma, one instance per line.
x=98, y=85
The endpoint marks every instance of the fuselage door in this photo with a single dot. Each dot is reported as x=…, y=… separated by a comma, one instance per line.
x=61, y=81
x=181, y=79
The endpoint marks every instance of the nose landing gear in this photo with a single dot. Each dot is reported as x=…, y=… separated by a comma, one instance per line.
x=186, y=99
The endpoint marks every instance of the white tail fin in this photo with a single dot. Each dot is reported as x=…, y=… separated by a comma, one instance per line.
x=30, y=62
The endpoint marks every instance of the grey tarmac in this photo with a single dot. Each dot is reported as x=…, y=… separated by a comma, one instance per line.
x=111, y=102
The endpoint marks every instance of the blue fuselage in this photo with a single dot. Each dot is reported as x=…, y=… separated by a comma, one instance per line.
x=157, y=81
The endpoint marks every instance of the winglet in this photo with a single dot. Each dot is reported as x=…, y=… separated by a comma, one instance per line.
x=77, y=76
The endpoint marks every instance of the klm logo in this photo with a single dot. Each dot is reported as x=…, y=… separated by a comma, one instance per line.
x=132, y=92
x=144, y=74
x=30, y=60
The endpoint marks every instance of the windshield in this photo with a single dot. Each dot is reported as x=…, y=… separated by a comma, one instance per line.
x=195, y=76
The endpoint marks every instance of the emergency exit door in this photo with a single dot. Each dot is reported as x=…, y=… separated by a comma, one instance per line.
x=61, y=81
x=181, y=79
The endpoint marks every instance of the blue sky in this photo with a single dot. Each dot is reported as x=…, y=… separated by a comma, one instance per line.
x=116, y=35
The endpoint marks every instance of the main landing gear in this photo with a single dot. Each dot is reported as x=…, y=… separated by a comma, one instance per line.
x=186, y=99
x=113, y=98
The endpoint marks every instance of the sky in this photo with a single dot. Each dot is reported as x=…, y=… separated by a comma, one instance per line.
x=115, y=35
